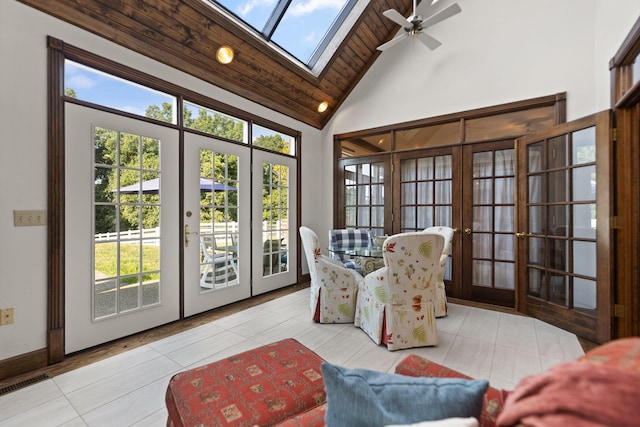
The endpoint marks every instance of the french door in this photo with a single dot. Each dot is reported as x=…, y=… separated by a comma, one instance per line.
x=488, y=222
x=275, y=227
x=217, y=224
x=428, y=189
x=564, y=249
x=121, y=242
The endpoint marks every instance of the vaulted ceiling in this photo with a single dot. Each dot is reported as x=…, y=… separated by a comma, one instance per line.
x=186, y=33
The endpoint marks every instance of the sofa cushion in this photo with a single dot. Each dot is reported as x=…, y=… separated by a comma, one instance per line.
x=262, y=386
x=417, y=366
x=361, y=397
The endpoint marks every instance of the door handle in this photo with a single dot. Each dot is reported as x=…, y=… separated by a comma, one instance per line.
x=520, y=235
x=186, y=235
x=467, y=230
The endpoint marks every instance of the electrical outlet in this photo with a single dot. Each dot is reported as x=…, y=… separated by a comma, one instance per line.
x=6, y=316
x=27, y=218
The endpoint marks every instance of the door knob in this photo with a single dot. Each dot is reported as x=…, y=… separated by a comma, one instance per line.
x=467, y=230
x=520, y=235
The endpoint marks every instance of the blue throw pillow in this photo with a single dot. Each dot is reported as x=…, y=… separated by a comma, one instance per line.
x=361, y=397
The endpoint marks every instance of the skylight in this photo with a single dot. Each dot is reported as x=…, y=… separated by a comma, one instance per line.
x=302, y=28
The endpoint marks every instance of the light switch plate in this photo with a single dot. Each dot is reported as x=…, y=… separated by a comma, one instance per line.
x=31, y=217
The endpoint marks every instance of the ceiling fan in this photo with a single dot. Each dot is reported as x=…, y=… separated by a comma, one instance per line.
x=414, y=25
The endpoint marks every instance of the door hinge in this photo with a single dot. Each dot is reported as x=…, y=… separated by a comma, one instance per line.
x=615, y=222
x=618, y=310
x=614, y=134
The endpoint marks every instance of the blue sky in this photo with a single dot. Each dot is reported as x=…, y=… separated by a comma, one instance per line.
x=302, y=28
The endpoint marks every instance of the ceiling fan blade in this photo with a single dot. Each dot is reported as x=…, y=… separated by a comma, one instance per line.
x=395, y=16
x=442, y=15
x=391, y=42
x=428, y=41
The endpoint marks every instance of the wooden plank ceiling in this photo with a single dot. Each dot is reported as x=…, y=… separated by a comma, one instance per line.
x=186, y=33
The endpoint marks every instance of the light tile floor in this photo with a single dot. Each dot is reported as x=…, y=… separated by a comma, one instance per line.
x=128, y=389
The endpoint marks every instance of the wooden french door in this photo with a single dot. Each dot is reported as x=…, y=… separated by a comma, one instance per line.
x=364, y=194
x=428, y=184
x=488, y=227
x=564, y=244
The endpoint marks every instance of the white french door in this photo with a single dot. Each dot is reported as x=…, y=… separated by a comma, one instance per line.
x=217, y=235
x=274, y=221
x=121, y=238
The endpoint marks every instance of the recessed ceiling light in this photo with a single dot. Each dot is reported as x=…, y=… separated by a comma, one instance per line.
x=322, y=107
x=224, y=54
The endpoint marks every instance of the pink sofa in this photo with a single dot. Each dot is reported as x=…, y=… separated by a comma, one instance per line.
x=280, y=384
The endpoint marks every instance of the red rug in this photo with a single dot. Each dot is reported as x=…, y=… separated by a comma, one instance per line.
x=263, y=387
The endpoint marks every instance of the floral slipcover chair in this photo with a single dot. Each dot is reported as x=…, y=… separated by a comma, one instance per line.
x=333, y=286
x=441, y=294
x=396, y=303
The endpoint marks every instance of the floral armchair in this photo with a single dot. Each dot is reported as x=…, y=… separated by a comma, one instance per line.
x=333, y=286
x=395, y=304
x=441, y=294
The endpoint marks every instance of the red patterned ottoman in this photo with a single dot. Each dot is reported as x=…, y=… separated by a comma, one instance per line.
x=264, y=386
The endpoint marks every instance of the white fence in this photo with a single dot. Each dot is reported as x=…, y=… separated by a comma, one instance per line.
x=229, y=228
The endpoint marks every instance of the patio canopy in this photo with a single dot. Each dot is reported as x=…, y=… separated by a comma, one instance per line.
x=152, y=186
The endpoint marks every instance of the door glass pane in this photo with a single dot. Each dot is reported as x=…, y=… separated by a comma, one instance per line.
x=219, y=230
x=583, y=255
x=127, y=222
x=424, y=169
x=504, y=275
x=482, y=245
x=504, y=247
x=483, y=164
x=482, y=191
x=482, y=273
x=275, y=214
x=536, y=283
x=558, y=186
x=483, y=218
x=408, y=170
x=557, y=152
x=584, y=183
x=537, y=220
x=503, y=219
x=408, y=191
x=584, y=293
x=536, y=251
x=558, y=284
x=505, y=190
x=584, y=146
x=584, y=221
x=537, y=190
x=534, y=157
x=505, y=162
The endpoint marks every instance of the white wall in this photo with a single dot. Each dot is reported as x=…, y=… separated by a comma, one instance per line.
x=23, y=164
x=493, y=52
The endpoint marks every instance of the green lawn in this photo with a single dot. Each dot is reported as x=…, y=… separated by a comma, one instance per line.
x=105, y=259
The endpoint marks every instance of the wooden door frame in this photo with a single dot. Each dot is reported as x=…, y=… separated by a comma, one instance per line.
x=625, y=99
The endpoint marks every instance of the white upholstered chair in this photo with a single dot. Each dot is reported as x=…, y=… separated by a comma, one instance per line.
x=441, y=293
x=396, y=303
x=333, y=286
